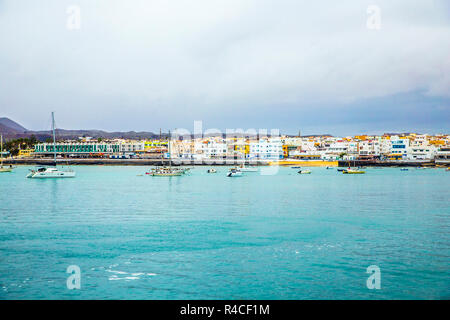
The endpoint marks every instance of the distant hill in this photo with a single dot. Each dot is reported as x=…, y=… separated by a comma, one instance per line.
x=11, y=125
x=12, y=130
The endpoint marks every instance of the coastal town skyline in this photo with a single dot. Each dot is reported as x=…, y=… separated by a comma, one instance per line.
x=19, y=129
x=213, y=145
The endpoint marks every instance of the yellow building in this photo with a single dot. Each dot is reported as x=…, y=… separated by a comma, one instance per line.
x=437, y=142
x=242, y=148
x=25, y=152
x=155, y=145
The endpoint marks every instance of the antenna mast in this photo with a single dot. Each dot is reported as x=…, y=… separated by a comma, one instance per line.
x=54, y=137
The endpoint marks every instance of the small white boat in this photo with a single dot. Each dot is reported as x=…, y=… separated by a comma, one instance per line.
x=5, y=169
x=212, y=170
x=44, y=173
x=305, y=172
x=234, y=173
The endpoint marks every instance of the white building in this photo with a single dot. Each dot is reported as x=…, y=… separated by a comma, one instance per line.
x=443, y=156
x=131, y=146
x=212, y=148
x=399, y=147
x=369, y=148
x=421, y=152
x=266, y=149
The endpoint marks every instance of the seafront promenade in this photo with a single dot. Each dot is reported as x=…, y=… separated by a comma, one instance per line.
x=219, y=162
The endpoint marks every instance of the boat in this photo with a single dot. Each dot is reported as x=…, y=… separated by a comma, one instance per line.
x=212, y=170
x=167, y=171
x=328, y=168
x=305, y=172
x=48, y=172
x=52, y=171
x=340, y=170
x=296, y=167
x=3, y=169
x=234, y=173
x=6, y=169
x=353, y=171
x=448, y=169
x=404, y=169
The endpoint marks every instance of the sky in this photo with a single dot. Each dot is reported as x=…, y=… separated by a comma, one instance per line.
x=337, y=67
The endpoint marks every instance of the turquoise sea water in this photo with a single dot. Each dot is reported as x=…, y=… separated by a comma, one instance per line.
x=206, y=236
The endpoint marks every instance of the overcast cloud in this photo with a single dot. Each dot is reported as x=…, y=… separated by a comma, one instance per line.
x=295, y=65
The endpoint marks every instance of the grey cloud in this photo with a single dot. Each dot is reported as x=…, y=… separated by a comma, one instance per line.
x=143, y=64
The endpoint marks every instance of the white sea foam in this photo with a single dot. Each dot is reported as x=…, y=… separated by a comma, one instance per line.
x=125, y=278
x=117, y=271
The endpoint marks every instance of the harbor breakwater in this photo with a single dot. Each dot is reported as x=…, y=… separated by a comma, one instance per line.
x=132, y=162
x=217, y=162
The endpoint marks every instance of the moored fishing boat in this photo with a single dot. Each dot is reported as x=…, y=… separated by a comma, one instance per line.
x=167, y=171
x=353, y=171
x=305, y=172
x=212, y=170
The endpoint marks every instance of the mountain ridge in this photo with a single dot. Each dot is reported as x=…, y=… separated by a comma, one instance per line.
x=12, y=130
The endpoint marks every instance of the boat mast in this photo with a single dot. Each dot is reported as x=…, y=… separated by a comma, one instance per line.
x=170, y=154
x=1, y=152
x=160, y=148
x=54, y=137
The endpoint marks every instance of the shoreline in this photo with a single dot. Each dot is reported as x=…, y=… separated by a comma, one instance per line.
x=223, y=162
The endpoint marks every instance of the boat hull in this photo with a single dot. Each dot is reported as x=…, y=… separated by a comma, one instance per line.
x=234, y=174
x=166, y=174
x=353, y=172
x=52, y=175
